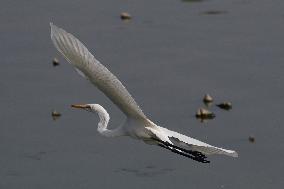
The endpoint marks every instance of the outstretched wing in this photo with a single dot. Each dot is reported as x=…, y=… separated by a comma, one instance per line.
x=85, y=63
x=196, y=145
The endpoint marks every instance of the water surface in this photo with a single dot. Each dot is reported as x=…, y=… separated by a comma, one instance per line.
x=169, y=55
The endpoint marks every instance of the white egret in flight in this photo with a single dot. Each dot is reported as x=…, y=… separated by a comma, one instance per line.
x=137, y=125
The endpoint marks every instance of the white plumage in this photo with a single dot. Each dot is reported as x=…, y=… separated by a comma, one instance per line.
x=137, y=125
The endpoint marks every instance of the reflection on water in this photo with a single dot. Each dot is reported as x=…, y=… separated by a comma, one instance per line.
x=192, y=1
x=12, y=173
x=214, y=12
x=36, y=156
x=148, y=171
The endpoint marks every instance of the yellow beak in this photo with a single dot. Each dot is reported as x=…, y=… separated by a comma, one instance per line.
x=80, y=106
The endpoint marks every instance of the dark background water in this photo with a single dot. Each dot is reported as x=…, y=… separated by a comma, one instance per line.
x=169, y=55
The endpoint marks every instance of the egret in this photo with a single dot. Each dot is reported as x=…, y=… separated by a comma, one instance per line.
x=136, y=124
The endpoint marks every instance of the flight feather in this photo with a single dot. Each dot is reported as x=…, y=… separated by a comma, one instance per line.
x=79, y=56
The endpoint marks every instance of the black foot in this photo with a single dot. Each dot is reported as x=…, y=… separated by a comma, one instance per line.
x=194, y=155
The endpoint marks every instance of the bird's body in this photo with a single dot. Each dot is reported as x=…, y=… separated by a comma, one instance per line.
x=136, y=125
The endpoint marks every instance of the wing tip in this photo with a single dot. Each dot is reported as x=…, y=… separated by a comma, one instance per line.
x=232, y=153
x=52, y=29
x=235, y=154
x=51, y=26
x=56, y=31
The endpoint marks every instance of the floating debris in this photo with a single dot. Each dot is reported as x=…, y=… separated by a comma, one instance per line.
x=252, y=139
x=55, y=62
x=214, y=12
x=225, y=105
x=125, y=16
x=55, y=115
x=207, y=99
x=203, y=113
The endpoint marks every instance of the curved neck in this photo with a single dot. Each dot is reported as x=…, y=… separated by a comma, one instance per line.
x=103, y=123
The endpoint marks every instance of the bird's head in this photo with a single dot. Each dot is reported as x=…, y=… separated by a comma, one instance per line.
x=95, y=108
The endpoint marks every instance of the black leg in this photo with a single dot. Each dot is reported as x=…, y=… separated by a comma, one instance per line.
x=194, y=153
x=172, y=148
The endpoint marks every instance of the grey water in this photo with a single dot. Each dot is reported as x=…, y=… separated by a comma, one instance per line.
x=168, y=56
